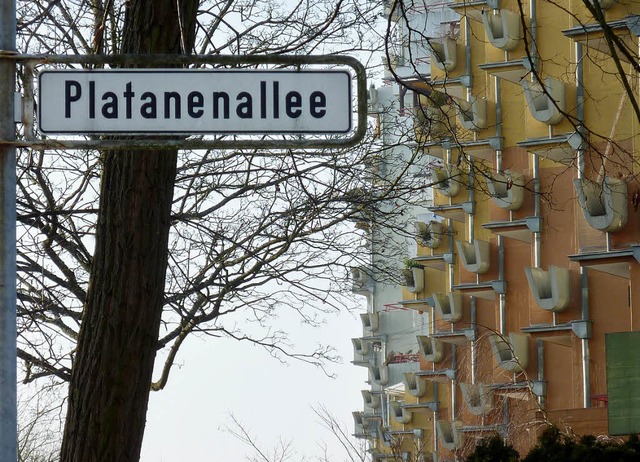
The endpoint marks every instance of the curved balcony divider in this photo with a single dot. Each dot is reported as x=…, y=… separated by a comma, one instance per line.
x=604, y=205
x=379, y=375
x=450, y=432
x=551, y=288
x=449, y=306
x=362, y=282
x=414, y=279
x=507, y=190
x=400, y=414
x=477, y=397
x=431, y=348
x=473, y=114
x=360, y=346
x=512, y=355
x=546, y=105
x=415, y=386
x=371, y=400
x=430, y=121
x=358, y=422
x=447, y=179
x=444, y=53
x=474, y=256
x=503, y=28
x=430, y=234
x=370, y=322
x=365, y=426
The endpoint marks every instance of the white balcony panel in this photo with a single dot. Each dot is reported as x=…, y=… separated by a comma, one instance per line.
x=512, y=353
x=474, y=256
x=551, y=289
x=507, y=189
x=604, y=205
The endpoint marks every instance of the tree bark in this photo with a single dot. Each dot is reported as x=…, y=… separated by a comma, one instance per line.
x=112, y=372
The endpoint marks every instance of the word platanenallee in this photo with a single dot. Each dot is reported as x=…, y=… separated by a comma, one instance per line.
x=269, y=102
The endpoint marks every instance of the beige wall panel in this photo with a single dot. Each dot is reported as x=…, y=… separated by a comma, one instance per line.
x=514, y=113
x=562, y=389
x=591, y=421
x=557, y=207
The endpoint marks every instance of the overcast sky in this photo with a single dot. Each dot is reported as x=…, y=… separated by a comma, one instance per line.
x=217, y=377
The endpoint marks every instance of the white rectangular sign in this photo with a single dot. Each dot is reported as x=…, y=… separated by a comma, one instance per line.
x=188, y=101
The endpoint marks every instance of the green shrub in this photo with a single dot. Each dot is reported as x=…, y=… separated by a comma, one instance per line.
x=554, y=446
x=493, y=449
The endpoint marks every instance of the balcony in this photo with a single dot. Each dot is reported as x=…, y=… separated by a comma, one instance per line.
x=430, y=122
x=551, y=289
x=449, y=306
x=478, y=398
x=506, y=189
x=379, y=375
x=545, y=104
x=413, y=279
x=474, y=256
x=447, y=180
x=473, y=114
x=371, y=400
x=370, y=322
x=361, y=427
x=450, y=433
x=444, y=53
x=415, y=386
x=604, y=205
x=511, y=354
x=503, y=28
x=400, y=414
x=360, y=346
x=431, y=348
x=361, y=281
x=430, y=234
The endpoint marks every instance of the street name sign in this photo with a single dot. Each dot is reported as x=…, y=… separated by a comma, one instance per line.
x=194, y=101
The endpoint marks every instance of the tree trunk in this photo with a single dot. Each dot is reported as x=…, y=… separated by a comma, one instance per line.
x=112, y=372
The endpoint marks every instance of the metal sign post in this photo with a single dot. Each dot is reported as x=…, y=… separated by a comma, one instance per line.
x=8, y=374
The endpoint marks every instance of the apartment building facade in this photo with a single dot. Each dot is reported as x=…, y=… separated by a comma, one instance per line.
x=522, y=307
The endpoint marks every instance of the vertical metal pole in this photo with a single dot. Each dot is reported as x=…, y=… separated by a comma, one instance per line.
x=474, y=349
x=454, y=400
x=8, y=379
x=540, y=349
x=435, y=423
x=586, y=355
